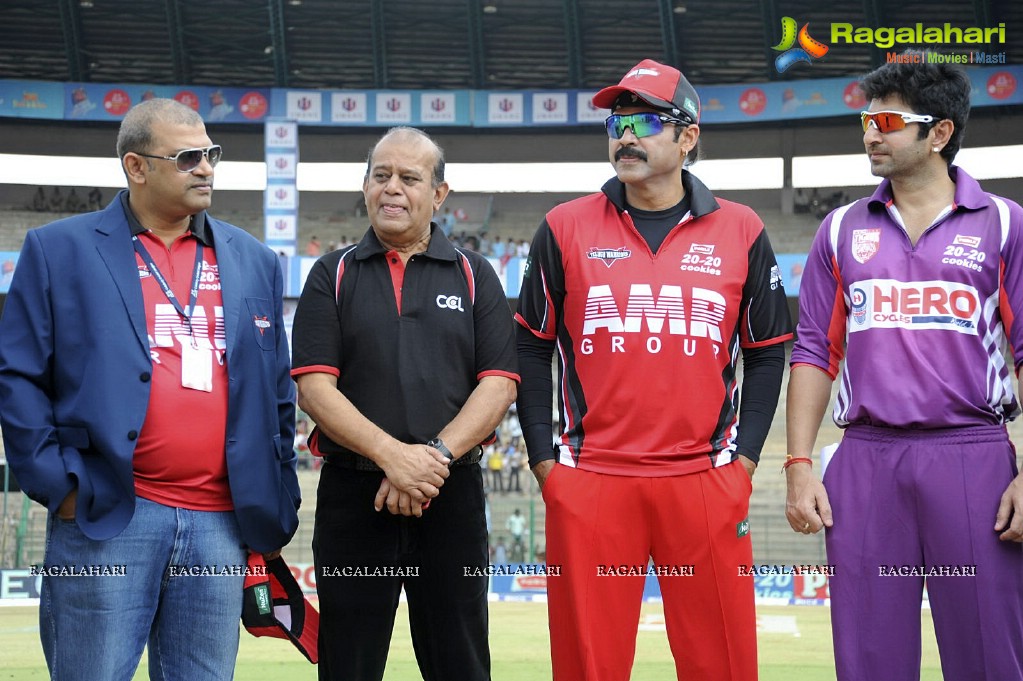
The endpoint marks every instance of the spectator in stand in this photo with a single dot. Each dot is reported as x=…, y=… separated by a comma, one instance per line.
x=95, y=198
x=302, y=444
x=484, y=244
x=448, y=222
x=495, y=462
x=313, y=248
x=523, y=250
x=514, y=461
x=516, y=526
x=500, y=553
x=56, y=201
x=6, y=274
x=39, y=200
x=73, y=204
x=498, y=247
x=510, y=249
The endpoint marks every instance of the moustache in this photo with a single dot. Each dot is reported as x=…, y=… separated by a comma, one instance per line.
x=630, y=152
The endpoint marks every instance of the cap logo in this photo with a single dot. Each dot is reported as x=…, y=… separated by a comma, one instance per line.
x=636, y=73
x=689, y=106
x=262, y=592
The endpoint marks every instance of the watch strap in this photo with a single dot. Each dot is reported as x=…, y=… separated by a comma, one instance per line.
x=439, y=445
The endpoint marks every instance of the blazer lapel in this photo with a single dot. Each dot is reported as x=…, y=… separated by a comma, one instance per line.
x=229, y=267
x=114, y=247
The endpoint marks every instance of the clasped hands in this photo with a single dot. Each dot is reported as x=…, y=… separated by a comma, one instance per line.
x=413, y=474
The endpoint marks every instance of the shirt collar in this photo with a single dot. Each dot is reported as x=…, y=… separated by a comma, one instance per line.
x=439, y=247
x=968, y=194
x=197, y=227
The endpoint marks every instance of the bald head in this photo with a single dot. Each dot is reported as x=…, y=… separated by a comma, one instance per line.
x=412, y=137
x=136, y=133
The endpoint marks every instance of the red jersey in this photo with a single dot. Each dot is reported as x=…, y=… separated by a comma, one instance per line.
x=647, y=343
x=180, y=456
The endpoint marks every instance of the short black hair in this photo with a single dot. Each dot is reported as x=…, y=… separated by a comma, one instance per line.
x=937, y=89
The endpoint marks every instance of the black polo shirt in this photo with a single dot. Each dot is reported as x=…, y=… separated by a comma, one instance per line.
x=408, y=343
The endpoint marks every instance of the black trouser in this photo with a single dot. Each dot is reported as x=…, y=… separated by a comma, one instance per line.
x=447, y=608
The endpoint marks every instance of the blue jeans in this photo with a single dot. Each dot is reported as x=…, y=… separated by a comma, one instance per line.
x=94, y=628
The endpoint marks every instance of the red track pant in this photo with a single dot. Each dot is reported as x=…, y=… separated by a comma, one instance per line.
x=603, y=529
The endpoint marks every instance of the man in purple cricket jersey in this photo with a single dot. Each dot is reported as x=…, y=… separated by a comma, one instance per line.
x=919, y=288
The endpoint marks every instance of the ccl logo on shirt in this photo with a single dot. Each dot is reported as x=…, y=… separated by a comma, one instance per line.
x=450, y=302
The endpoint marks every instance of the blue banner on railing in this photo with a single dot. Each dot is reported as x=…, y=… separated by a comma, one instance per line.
x=751, y=102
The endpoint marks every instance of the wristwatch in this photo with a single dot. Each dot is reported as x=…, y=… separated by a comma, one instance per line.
x=439, y=445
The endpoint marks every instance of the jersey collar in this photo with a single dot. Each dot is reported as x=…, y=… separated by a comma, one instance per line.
x=440, y=247
x=969, y=194
x=702, y=201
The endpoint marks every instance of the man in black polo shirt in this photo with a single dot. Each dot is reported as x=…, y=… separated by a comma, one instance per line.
x=404, y=357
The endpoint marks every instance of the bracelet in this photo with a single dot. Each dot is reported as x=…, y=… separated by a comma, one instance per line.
x=789, y=460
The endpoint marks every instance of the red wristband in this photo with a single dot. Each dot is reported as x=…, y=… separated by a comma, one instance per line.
x=796, y=459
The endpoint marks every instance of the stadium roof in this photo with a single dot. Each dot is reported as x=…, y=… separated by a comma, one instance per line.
x=447, y=44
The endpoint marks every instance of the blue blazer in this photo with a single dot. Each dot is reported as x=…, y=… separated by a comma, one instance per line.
x=75, y=375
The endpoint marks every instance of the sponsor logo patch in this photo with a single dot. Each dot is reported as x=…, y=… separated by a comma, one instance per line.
x=262, y=323
x=742, y=528
x=915, y=305
x=609, y=256
x=964, y=240
x=865, y=244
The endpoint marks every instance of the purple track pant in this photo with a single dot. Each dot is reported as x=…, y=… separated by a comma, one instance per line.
x=905, y=499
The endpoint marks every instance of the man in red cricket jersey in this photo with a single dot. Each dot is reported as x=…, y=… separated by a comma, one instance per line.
x=649, y=291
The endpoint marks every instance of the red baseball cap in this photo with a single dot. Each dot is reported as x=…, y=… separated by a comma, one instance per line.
x=274, y=605
x=658, y=85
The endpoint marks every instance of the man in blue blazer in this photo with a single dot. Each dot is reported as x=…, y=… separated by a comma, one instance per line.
x=145, y=400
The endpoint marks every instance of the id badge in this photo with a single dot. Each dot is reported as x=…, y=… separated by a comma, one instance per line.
x=196, y=366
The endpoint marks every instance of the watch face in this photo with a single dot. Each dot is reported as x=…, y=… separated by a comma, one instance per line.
x=439, y=445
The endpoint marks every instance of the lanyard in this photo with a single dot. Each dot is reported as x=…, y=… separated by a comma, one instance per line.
x=193, y=294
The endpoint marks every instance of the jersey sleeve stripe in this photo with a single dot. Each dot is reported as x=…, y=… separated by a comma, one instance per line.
x=316, y=369
x=337, y=277
x=548, y=314
x=470, y=277
x=497, y=372
x=836, y=329
x=836, y=225
x=769, y=341
x=1003, y=217
x=813, y=366
x=539, y=334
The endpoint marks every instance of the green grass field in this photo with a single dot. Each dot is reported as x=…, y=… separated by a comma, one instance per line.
x=795, y=645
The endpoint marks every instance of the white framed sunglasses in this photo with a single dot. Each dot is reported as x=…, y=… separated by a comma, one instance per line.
x=188, y=160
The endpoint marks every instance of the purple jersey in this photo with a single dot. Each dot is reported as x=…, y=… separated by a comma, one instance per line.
x=922, y=328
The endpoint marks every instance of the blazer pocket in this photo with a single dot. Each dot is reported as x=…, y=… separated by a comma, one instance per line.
x=261, y=319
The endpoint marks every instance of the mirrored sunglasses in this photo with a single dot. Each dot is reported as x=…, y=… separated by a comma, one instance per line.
x=890, y=121
x=642, y=124
x=188, y=160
